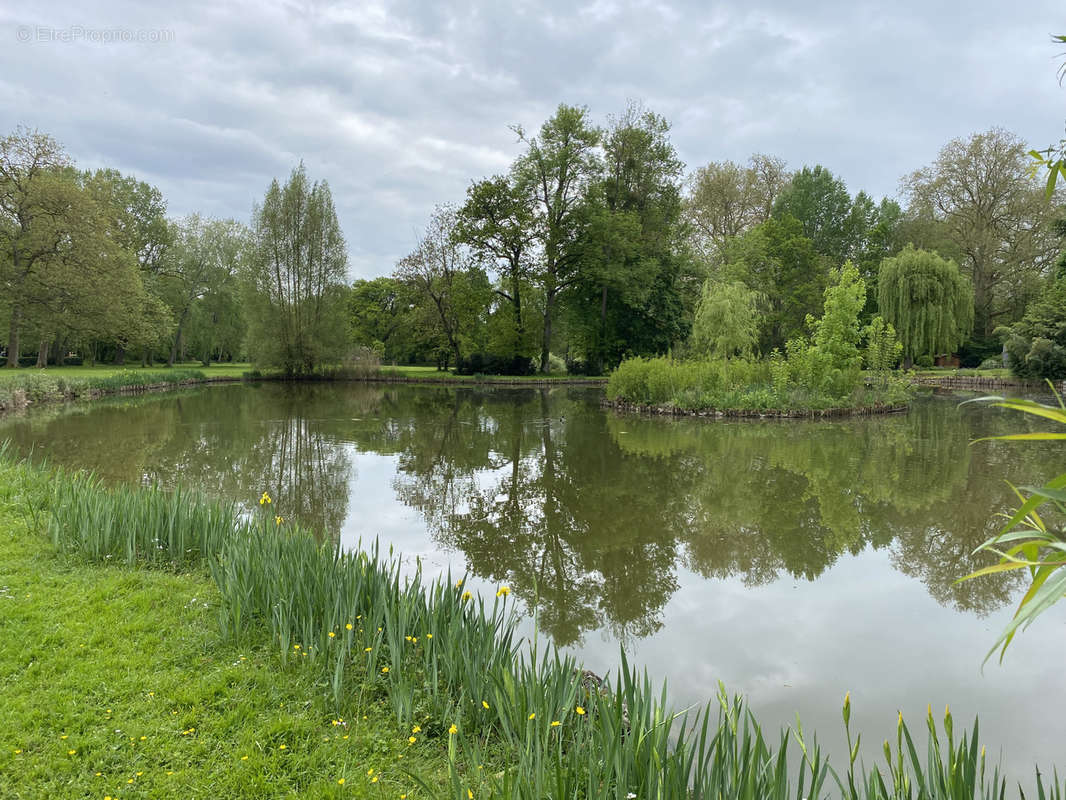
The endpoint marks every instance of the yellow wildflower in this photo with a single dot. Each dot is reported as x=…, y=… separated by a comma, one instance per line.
x=416, y=729
x=374, y=779
x=278, y=520
x=556, y=723
x=503, y=591
x=533, y=715
x=348, y=627
x=340, y=781
x=484, y=704
x=384, y=669
x=580, y=711
x=332, y=635
x=264, y=499
x=467, y=595
x=283, y=747
x=412, y=739
x=453, y=730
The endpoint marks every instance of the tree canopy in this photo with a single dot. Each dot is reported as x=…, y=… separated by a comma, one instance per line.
x=928, y=301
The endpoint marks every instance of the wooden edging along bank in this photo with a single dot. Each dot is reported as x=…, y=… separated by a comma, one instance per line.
x=977, y=383
x=737, y=413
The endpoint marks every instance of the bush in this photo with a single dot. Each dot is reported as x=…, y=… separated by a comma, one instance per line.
x=556, y=365
x=925, y=362
x=991, y=363
x=492, y=364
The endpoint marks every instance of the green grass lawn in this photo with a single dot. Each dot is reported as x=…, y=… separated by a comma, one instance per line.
x=233, y=370
x=114, y=682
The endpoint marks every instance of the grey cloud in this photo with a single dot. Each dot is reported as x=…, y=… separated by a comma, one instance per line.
x=400, y=105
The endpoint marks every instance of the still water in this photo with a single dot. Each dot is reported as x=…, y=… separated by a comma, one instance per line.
x=791, y=560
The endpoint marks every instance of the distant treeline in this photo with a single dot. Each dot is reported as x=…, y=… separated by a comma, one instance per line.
x=594, y=246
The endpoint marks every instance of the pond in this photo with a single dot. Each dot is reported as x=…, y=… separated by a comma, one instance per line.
x=791, y=560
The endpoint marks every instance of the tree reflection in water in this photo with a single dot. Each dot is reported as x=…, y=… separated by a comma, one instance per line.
x=585, y=513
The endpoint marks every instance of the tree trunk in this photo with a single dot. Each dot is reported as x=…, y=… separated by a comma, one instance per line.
x=549, y=301
x=13, y=337
x=120, y=356
x=42, y=353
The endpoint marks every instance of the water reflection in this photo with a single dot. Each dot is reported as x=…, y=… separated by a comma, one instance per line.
x=587, y=514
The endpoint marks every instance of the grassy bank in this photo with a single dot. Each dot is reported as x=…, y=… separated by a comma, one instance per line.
x=288, y=635
x=115, y=681
x=23, y=387
x=740, y=385
x=20, y=388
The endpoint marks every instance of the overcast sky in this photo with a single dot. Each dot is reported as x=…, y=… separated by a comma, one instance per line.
x=399, y=106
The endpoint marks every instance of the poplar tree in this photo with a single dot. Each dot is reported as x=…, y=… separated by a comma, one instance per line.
x=295, y=279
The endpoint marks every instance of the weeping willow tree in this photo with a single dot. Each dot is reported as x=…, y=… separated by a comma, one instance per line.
x=927, y=300
x=727, y=320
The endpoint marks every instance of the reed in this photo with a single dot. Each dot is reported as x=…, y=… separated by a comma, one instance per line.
x=518, y=718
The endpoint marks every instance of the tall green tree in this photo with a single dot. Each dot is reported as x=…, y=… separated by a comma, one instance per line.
x=497, y=223
x=626, y=293
x=140, y=226
x=928, y=301
x=778, y=261
x=821, y=203
x=998, y=216
x=204, y=260
x=559, y=164
x=294, y=281
x=65, y=268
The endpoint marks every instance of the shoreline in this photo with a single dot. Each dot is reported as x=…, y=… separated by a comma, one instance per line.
x=622, y=406
x=19, y=397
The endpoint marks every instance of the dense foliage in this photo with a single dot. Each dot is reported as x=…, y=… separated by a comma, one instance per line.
x=1036, y=344
x=593, y=246
x=927, y=300
x=818, y=372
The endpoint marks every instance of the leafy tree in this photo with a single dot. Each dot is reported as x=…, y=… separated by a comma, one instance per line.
x=202, y=262
x=778, y=261
x=836, y=334
x=727, y=320
x=294, y=279
x=63, y=265
x=453, y=289
x=725, y=199
x=625, y=296
x=1036, y=344
x=883, y=348
x=557, y=168
x=821, y=203
x=997, y=215
x=927, y=300
x=497, y=223
x=381, y=312
x=878, y=234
